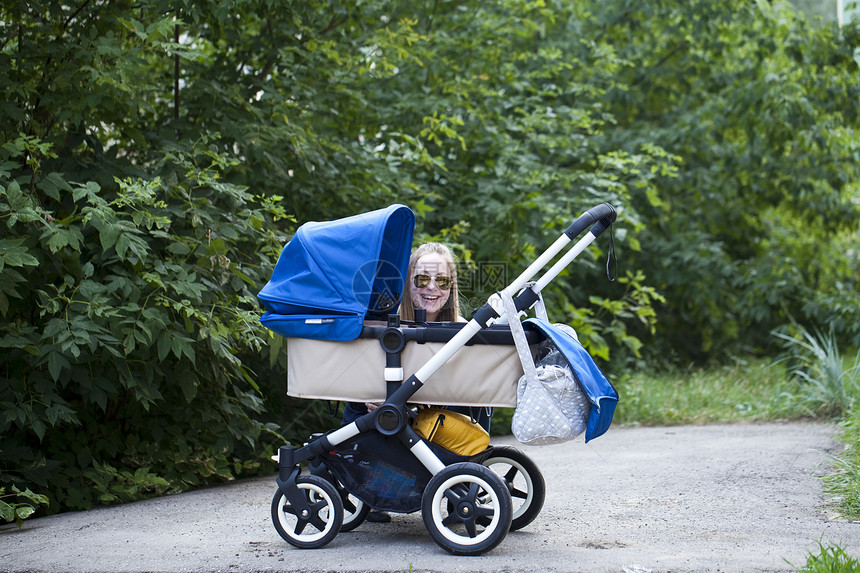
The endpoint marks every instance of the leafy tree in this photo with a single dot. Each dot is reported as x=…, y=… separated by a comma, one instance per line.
x=762, y=108
x=156, y=155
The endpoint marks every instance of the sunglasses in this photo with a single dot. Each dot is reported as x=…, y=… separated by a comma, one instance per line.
x=442, y=281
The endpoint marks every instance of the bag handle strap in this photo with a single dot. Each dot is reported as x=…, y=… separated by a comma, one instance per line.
x=519, y=337
x=540, y=306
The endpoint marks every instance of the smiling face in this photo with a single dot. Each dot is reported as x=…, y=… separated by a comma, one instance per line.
x=431, y=298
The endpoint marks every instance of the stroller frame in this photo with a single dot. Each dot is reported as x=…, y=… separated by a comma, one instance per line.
x=461, y=496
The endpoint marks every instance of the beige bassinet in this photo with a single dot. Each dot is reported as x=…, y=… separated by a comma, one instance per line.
x=478, y=375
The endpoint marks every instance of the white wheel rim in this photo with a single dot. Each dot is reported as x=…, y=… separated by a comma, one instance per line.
x=348, y=516
x=439, y=500
x=530, y=490
x=289, y=521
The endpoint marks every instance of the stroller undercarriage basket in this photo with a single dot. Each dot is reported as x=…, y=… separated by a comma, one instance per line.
x=333, y=278
x=381, y=472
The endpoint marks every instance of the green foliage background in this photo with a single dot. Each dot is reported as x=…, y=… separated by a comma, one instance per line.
x=155, y=156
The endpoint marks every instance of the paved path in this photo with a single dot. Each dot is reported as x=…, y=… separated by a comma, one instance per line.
x=742, y=498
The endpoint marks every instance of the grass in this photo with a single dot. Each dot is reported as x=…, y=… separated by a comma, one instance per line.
x=843, y=484
x=745, y=391
x=830, y=559
x=751, y=391
x=829, y=385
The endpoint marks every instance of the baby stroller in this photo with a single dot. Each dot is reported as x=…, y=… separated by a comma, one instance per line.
x=334, y=294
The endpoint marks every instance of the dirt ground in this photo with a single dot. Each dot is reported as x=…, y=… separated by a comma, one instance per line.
x=743, y=498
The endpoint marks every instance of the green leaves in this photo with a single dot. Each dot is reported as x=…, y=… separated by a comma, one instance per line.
x=129, y=311
x=114, y=485
x=18, y=511
x=14, y=254
x=752, y=99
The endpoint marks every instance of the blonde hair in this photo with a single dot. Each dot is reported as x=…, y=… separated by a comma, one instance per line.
x=451, y=310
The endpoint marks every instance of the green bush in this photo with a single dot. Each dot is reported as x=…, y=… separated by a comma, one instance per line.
x=130, y=327
x=760, y=222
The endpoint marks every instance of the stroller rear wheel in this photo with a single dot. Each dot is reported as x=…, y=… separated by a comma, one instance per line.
x=466, y=508
x=354, y=511
x=524, y=480
x=315, y=527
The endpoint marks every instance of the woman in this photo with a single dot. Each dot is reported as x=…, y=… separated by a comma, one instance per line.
x=432, y=286
x=432, y=281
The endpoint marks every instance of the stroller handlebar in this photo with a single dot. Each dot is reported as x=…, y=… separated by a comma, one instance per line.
x=599, y=218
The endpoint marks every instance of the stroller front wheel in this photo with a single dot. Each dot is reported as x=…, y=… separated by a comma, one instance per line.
x=466, y=508
x=317, y=526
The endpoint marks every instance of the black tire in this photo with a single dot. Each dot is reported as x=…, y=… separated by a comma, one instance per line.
x=322, y=523
x=354, y=510
x=524, y=480
x=466, y=508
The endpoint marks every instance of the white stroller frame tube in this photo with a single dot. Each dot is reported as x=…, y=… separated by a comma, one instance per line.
x=599, y=218
x=427, y=458
x=538, y=264
x=547, y=277
x=344, y=433
x=563, y=262
x=448, y=350
x=468, y=331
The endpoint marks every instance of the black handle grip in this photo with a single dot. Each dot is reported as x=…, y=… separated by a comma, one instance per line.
x=599, y=218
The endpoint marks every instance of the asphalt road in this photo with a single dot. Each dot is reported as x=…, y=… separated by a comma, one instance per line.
x=743, y=498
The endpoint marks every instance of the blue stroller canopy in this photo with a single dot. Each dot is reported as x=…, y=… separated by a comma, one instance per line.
x=333, y=274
